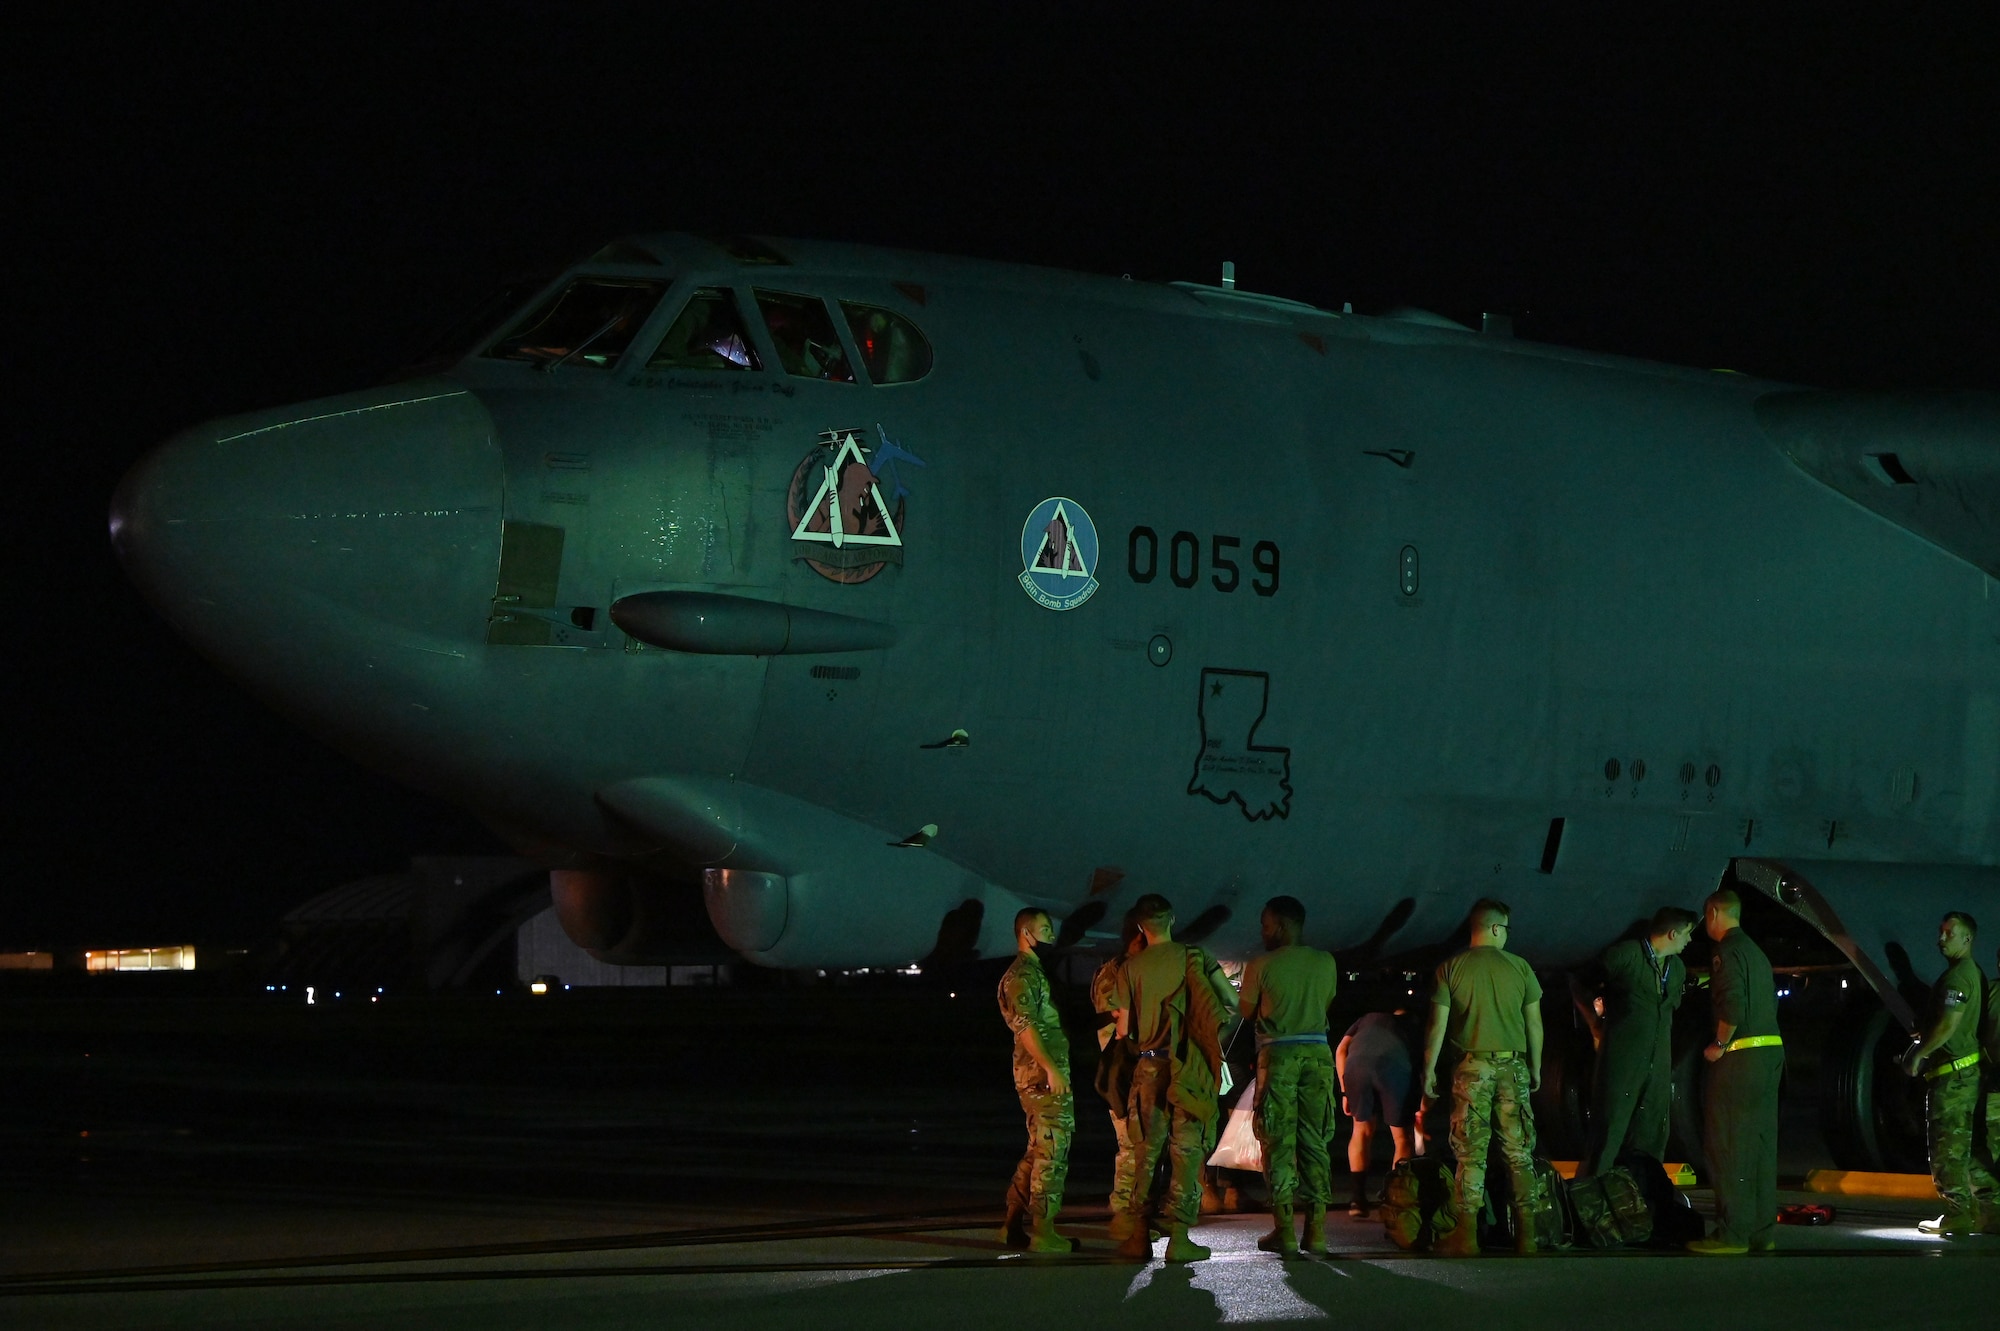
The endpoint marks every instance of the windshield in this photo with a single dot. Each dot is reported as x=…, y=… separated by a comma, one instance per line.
x=590, y=322
x=709, y=335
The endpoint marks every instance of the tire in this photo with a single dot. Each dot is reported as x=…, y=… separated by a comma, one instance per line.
x=1871, y=1112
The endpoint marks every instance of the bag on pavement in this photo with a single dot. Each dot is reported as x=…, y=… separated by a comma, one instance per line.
x=1611, y=1209
x=1419, y=1204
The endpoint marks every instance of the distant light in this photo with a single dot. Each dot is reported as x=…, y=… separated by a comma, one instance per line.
x=496, y=993
x=954, y=995
x=309, y=994
x=336, y=993
x=374, y=998
x=1843, y=984
x=140, y=959
x=538, y=987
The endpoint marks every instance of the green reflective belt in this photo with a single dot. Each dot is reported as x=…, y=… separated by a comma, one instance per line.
x=1753, y=1042
x=1947, y=1069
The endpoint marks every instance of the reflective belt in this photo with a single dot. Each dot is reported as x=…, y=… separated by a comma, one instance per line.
x=1753, y=1042
x=1265, y=1042
x=1152, y=1053
x=1955, y=1065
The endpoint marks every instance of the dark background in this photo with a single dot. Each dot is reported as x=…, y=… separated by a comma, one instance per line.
x=216, y=210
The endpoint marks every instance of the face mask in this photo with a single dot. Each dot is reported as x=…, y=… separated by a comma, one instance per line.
x=1045, y=952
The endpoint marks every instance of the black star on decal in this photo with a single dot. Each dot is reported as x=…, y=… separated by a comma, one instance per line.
x=1215, y=689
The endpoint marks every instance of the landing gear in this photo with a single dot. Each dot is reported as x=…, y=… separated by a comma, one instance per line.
x=1562, y=1106
x=1872, y=1114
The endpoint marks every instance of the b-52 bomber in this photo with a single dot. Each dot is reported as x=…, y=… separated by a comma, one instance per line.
x=871, y=595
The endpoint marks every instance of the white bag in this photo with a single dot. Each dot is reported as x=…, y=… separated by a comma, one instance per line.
x=1238, y=1147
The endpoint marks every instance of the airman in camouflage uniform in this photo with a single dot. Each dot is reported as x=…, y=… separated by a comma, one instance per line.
x=1041, y=1077
x=1947, y=1055
x=1286, y=993
x=1126, y=1166
x=1486, y=1002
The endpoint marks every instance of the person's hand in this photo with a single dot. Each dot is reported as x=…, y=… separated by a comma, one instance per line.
x=1344, y=1109
x=1058, y=1084
x=1430, y=1084
x=1535, y=1080
x=1713, y=1052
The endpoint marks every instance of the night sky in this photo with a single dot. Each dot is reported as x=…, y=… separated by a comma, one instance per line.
x=219, y=210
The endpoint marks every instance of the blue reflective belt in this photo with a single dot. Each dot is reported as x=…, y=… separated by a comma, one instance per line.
x=1264, y=1041
x=1152, y=1053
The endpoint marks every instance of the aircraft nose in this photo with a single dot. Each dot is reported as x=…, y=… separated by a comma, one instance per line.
x=383, y=505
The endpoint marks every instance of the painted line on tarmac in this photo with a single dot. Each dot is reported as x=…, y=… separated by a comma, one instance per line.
x=1000, y=1261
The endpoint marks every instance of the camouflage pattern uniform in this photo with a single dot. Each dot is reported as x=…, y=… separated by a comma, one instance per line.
x=1026, y=1002
x=1172, y=1111
x=1988, y=1147
x=1952, y=1100
x=1286, y=993
x=1489, y=1097
x=1126, y=1167
x=1487, y=992
x=1293, y=1115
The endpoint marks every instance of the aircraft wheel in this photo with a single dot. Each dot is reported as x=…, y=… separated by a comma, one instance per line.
x=1562, y=1106
x=1690, y=1068
x=1872, y=1113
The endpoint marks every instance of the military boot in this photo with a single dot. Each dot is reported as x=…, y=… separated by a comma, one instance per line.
x=1014, y=1230
x=1524, y=1232
x=1315, y=1237
x=1137, y=1246
x=1181, y=1248
x=1280, y=1240
x=1460, y=1241
x=1123, y=1224
x=1042, y=1236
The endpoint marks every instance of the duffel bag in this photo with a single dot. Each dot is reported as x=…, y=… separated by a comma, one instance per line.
x=1611, y=1209
x=1419, y=1205
x=1675, y=1221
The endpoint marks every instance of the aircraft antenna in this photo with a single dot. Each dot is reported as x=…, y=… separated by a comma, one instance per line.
x=1228, y=275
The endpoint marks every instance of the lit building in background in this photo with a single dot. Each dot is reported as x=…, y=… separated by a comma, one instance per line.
x=27, y=961
x=140, y=959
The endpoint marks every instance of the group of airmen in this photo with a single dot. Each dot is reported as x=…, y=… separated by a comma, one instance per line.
x=1164, y=1007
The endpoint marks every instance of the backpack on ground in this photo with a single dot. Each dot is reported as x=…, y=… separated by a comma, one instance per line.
x=1675, y=1221
x=1551, y=1216
x=1611, y=1208
x=1419, y=1204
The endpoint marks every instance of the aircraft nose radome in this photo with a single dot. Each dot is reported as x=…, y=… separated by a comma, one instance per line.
x=383, y=504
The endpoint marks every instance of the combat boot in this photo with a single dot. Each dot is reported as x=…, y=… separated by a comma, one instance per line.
x=1280, y=1240
x=1460, y=1241
x=1042, y=1237
x=1123, y=1224
x=1315, y=1237
x=1137, y=1246
x=1524, y=1233
x=1181, y=1248
x=1014, y=1230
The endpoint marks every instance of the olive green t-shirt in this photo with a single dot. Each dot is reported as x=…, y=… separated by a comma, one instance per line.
x=1964, y=988
x=1488, y=991
x=1287, y=992
x=1151, y=986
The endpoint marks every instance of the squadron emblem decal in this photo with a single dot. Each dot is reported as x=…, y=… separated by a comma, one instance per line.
x=1059, y=554
x=841, y=526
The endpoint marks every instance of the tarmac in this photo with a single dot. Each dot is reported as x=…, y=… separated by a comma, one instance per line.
x=447, y=1164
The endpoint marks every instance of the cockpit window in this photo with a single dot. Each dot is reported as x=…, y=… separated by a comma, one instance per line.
x=709, y=335
x=892, y=350
x=805, y=336
x=590, y=322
